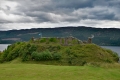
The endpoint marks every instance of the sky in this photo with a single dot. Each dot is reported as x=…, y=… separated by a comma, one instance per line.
x=26, y=14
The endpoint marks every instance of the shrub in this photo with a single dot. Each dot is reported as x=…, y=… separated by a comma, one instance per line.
x=56, y=56
x=45, y=55
x=40, y=48
x=34, y=55
x=108, y=60
x=9, y=53
x=83, y=63
x=27, y=51
x=3, y=56
x=69, y=52
x=43, y=40
x=0, y=56
x=12, y=55
x=54, y=48
x=0, y=53
x=13, y=52
x=25, y=57
x=23, y=50
x=52, y=40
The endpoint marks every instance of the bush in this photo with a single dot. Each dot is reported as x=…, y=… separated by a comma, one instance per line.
x=54, y=48
x=12, y=55
x=13, y=52
x=26, y=51
x=56, y=56
x=0, y=53
x=25, y=57
x=45, y=55
x=43, y=40
x=52, y=40
x=0, y=56
x=9, y=53
x=69, y=52
x=23, y=50
x=108, y=61
x=40, y=48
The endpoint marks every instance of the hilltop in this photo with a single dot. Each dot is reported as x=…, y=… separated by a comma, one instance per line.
x=102, y=36
x=58, y=51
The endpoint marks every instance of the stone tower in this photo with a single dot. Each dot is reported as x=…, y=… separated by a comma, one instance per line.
x=89, y=40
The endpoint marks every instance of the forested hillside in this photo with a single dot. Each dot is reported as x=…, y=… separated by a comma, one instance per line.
x=102, y=36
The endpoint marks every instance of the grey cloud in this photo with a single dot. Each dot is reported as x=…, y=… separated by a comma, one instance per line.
x=8, y=8
x=66, y=10
x=76, y=4
x=104, y=16
x=109, y=3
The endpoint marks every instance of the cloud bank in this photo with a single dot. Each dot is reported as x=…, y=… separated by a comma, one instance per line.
x=25, y=14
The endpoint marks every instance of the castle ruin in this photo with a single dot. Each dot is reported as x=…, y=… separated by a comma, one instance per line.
x=66, y=41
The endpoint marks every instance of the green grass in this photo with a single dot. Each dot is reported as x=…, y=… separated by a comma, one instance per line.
x=24, y=71
x=53, y=53
x=97, y=63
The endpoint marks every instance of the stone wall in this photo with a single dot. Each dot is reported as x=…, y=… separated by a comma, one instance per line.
x=62, y=40
x=89, y=40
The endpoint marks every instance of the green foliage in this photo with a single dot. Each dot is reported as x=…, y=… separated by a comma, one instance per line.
x=63, y=41
x=0, y=53
x=40, y=48
x=22, y=71
x=45, y=55
x=53, y=40
x=13, y=51
x=26, y=51
x=54, y=48
x=77, y=54
x=43, y=40
x=75, y=41
x=0, y=56
x=7, y=53
x=56, y=56
x=113, y=54
x=108, y=60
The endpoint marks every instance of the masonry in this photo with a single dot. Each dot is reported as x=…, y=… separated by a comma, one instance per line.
x=66, y=41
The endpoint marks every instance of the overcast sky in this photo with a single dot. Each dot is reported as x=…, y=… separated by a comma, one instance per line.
x=25, y=14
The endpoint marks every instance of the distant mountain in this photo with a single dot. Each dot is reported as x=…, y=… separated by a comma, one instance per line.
x=102, y=36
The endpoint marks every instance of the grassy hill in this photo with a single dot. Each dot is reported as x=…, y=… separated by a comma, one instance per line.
x=52, y=51
x=52, y=59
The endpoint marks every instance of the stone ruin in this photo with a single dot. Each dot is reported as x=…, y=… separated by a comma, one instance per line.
x=69, y=40
x=66, y=40
x=89, y=40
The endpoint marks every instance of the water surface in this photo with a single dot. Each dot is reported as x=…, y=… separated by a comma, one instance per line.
x=3, y=46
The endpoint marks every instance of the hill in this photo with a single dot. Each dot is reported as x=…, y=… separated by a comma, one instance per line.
x=102, y=36
x=58, y=51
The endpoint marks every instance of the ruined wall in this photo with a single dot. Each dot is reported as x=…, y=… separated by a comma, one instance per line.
x=62, y=40
x=89, y=40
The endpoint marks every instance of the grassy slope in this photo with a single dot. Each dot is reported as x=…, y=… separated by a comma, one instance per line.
x=77, y=54
x=37, y=71
x=24, y=71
